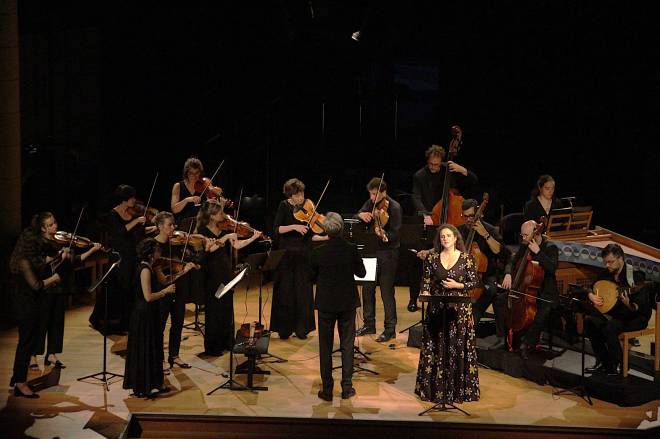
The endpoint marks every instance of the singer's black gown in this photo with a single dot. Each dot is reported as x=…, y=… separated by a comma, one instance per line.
x=219, y=320
x=144, y=361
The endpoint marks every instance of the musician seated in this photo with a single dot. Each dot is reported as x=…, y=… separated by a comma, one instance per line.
x=631, y=312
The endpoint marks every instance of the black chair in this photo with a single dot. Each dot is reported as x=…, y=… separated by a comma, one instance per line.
x=510, y=228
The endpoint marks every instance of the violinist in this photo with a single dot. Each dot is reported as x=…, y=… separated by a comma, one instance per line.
x=53, y=305
x=547, y=255
x=543, y=200
x=124, y=232
x=173, y=305
x=491, y=244
x=185, y=200
x=387, y=255
x=631, y=312
x=144, y=360
x=427, y=190
x=217, y=270
x=293, y=295
x=448, y=374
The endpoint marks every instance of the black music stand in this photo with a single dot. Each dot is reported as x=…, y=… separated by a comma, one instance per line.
x=446, y=300
x=104, y=376
x=265, y=262
x=195, y=325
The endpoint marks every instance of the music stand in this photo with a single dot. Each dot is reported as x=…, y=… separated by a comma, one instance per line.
x=446, y=300
x=265, y=262
x=104, y=376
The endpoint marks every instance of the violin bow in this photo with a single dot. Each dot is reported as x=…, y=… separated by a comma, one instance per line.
x=380, y=184
x=238, y=209
x=73, y=235
x=315, y=209
x=185, y=245
x=150, y=194
x=212, y=177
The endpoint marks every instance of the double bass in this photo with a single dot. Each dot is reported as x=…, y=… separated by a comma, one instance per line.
x=472, y=247
x=523, y=294
x=449, y=208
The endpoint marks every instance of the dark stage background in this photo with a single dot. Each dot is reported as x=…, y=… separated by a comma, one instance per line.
x=113, y=94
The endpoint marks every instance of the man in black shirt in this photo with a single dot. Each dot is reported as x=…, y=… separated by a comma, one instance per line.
x=387, y=255
x=631, y=312
x=427, y=191
x=333, y=265
x=492, y=246
x=547, y=256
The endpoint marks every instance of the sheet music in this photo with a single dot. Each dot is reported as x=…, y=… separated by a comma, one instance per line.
x=370, y=265
x=222, y=289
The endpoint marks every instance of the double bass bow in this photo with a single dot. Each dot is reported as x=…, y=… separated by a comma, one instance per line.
x=449, y=208
x=473, y=248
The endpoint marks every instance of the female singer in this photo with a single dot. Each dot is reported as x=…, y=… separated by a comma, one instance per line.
x=448, y=373
x=174, y=305
x=144, y=360
x=53, y=304
x=123, y=235
x=184, y=201
x=293, y=297
x=543, y=199
x=217, y=270
x=28, y=266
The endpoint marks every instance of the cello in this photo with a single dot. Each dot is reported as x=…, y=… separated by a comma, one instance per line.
x=472, y=247
x=523, y=294
x=449, y=208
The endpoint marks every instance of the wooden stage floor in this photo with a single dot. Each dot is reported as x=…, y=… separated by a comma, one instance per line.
x=72, y=409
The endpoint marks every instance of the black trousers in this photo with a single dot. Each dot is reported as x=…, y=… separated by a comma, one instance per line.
x=491, y=295
x=543, y=311
x=603, y=333
x=346, y=326
x=26, y=310
x=385, y=274
x=51, y=324
x=173, y=305
x=414, y=267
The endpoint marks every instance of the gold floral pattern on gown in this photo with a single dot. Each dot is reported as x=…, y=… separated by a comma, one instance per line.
x=450, y=375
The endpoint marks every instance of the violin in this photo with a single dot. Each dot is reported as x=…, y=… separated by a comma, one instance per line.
x=70, y=240
x=252, y=332
x=522, y=296
x=139, y=210
x=171, y=268
x=473, y=248
x=449, y=208
x=205, y=186
x=181, y=238
x=306, y=213
x=241, y=228
x=380, y=218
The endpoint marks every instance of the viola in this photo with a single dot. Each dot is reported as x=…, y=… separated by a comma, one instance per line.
x=139, y=210
x=171, y=268
x=241, y=228
x=62, y=239
x=473, y=248
x=306, y=213
x=252, y=332
x=522, y=296
x=449, y=208
x=205, y=186
x=181, y=238
x=380, y=218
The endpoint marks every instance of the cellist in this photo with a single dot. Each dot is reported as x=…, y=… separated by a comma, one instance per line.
x=491, y=246
x=428, y=185
x=547, y=256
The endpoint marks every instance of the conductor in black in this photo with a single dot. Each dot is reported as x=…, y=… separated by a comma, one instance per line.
x=334, y=264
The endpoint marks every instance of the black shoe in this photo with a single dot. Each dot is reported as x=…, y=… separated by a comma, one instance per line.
x=17, y=392
x=412, y=306
x=596, y=368
x=58, y=364
x=325, y=396
x=385, y=336
x=499, y=344
x=364, y=331
x=345, y=394
x=284, y=336
x=302, y=336
x=524, y=354
x=633, y=342
x=177, y=361
x=612, y=372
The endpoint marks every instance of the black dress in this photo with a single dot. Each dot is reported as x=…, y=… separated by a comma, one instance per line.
x=448, y=374
x=293, y=294
x=144, y=360
x=219, y=320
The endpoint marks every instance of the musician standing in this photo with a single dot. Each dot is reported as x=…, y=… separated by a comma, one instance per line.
x=447, y=370
x=547, y=255
x=184, y=203
x=293, y=292
x=543, y=199
x=630, y=313
x=334, y=264
x=427, y=191
x=387, y=255
x=492, y=246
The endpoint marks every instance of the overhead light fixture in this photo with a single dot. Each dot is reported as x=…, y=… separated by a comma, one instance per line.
x=356, y=36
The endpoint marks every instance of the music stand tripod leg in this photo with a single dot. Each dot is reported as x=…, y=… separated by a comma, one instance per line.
x=581, y=389
x=231, y=383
